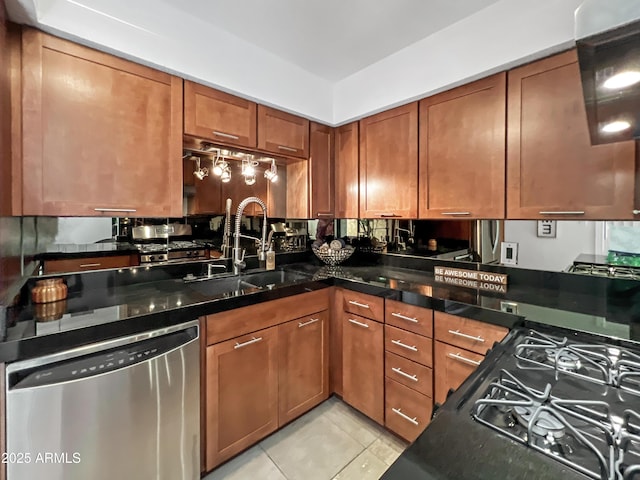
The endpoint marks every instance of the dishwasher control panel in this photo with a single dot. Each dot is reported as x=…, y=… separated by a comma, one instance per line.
x=99, y=363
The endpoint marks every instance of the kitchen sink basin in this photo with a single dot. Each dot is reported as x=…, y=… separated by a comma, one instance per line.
x=231, y=286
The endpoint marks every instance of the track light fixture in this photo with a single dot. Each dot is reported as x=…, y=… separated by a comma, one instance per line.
x=271, y=173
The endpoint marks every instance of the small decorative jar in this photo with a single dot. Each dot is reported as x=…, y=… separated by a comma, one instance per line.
x=49, y=290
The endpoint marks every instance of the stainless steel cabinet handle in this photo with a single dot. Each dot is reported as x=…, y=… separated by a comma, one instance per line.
x=456, y=213
x=87, y=265
x=576, y=212
x=226, y=135
x=400, y=372
x=115, y=210
x=413, y=420
x=253, y=340
x=404, y=317
x=388, y=215
x=358, y=323
x=464, y=335
x=304, y=324
x=324, y=214
x=404, y=345
x=457, y=356
x=358, y=304
x=287, y=149
x=636, y=212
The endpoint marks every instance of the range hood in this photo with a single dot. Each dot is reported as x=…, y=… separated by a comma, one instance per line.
x=608, y=40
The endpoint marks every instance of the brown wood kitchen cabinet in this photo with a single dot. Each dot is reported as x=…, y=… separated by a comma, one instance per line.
x=363, y=354
x=220, y=117
x=408, y=368
x=303, y=365
x=389, y=163
x=346, y=164
x=242, y=393
x=282, y=133
x=321, y=171
x=460, y=346
x=101, y=135
x=553, y=171
x=90, y=263
x=266, y=364
x=462, y=151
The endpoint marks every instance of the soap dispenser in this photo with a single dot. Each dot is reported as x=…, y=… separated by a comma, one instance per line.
x=271, y=258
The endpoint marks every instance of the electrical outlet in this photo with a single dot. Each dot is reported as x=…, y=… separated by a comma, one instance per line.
x=509, y=253
x=547, y=228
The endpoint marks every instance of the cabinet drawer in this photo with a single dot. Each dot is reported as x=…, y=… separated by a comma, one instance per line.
x=452, y=367
x=407, y=412
x=364, y=305
x=408, y=345
x=409, y=317
x=410, y=374
x=89, y=263
x=466, y=333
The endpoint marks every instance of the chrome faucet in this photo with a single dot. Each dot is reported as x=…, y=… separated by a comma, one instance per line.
x=238, y=253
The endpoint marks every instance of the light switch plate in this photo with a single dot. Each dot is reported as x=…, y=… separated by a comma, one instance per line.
x=509, y=253
x=547, y=228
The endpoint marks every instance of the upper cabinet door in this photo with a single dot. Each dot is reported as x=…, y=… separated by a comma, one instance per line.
x=346, y=171
x=462, y=151
x=389, y=163
x=218, y=116
x=101, y=135
x=321, y=171
x=553, y=171
x=282, y=133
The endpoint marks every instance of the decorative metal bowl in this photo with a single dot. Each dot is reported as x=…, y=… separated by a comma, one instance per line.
x=333, y=257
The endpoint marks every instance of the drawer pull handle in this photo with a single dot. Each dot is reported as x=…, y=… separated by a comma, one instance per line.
x=304, y=324
x=636, y=212
x=226, y=135
x=457, y=356
x=320, y=214
x=358, y=323
x=388, y=215
x=131, y=210
x=413, y=420
x=287, y=149
x=87, y=265
x=404, y=345
x=404, y=374
x=464, y=335
x=358, y=304
x=404, y=317
x=568, y=212
x=253, y=340
x=456, y=214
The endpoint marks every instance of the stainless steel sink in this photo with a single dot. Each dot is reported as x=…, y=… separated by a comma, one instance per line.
x=235, y=285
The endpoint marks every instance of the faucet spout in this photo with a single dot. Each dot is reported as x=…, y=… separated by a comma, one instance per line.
x=238, y=253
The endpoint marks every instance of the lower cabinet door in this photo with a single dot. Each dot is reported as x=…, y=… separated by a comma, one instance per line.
x=363, y=365
x=242, y=393
x=303, y=365
x=407, y=412
x=452, y=367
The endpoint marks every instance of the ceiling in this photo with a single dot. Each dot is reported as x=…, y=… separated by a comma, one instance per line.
x=331, y=38
x=333, y=61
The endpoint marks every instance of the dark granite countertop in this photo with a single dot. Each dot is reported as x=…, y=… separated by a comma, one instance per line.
x=62, y=251
x=107, y=304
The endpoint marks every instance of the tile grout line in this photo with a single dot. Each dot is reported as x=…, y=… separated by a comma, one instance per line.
x=273, y=461
x=379, y=433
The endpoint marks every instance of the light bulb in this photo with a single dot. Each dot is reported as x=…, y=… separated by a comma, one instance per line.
x=226, y=175
x=217, y=170
x=250, y=180
x=617, y=126
x=622, y=80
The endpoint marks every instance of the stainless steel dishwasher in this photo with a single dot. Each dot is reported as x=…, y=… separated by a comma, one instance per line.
x=127, y=408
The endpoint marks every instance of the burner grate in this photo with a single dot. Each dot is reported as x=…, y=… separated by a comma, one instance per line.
x=579, y=434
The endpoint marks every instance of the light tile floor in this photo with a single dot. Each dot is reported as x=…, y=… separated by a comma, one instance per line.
x=332, y=441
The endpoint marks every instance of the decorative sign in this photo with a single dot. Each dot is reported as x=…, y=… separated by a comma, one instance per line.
x=493, y=282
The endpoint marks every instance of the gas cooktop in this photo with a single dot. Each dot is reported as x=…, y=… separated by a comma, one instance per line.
x=542, y=405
